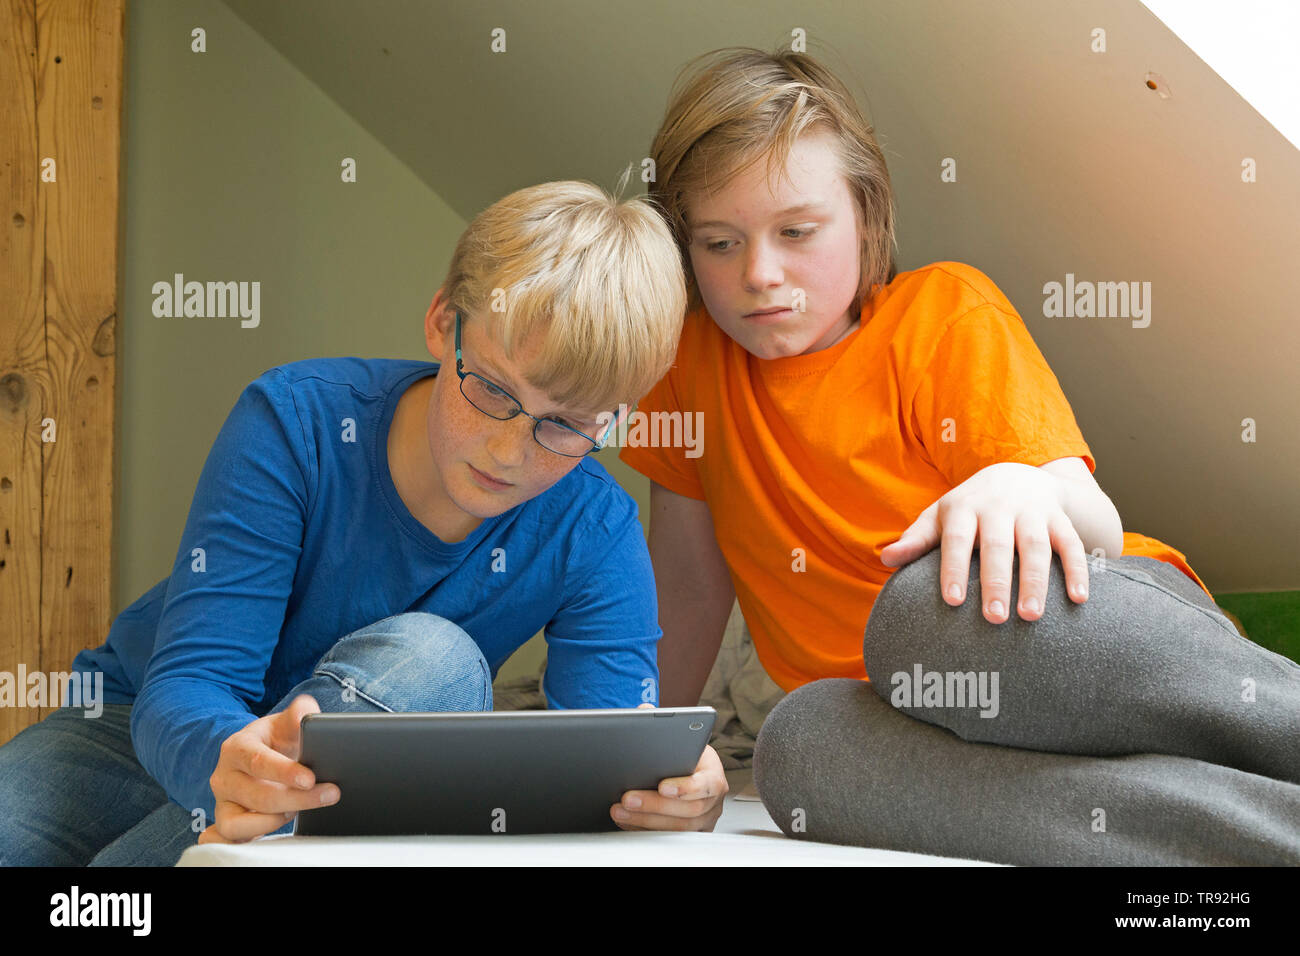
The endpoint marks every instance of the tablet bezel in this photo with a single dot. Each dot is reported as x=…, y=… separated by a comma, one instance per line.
x=492, y=784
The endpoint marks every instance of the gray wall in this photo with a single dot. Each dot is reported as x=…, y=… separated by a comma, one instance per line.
x=1067, y=163
x=232, y=173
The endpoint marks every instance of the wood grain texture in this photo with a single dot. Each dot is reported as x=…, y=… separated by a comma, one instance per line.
x=60, y=110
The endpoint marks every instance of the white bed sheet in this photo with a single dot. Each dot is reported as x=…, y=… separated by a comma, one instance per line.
x=744, y=836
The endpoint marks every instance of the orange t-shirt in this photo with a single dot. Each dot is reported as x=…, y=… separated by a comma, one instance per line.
x=812, y=464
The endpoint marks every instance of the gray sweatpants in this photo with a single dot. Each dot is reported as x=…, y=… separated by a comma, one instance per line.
x=1138, y=728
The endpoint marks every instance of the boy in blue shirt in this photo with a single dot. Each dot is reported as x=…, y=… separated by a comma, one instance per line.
x=372, y=535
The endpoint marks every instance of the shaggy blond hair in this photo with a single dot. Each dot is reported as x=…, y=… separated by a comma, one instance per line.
x=594, y=283
x=742, y=104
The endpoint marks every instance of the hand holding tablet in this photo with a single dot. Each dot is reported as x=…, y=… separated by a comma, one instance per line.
x=258, y=784
x=498, y=772
x=694, y=802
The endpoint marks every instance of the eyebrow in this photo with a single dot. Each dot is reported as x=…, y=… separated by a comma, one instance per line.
x=788, y=211
x=510, y=384
x=502, y=377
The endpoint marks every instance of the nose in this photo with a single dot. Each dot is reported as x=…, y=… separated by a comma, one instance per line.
x=762, y=267
x=509, y=441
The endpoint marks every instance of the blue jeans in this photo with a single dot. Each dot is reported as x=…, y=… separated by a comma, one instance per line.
x=72, y=792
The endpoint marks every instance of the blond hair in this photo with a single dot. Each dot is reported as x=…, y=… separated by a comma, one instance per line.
x=742, y=104
x=595, y=283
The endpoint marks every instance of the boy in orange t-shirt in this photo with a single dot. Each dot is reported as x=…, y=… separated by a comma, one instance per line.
x=796, y=484
x=843, y=448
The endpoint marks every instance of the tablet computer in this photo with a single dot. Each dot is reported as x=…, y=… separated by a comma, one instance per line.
x=492, y=772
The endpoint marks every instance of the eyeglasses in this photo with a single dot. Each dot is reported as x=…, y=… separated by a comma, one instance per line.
x=493, y=400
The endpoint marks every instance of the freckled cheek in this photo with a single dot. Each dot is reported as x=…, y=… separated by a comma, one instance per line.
x=454, y=436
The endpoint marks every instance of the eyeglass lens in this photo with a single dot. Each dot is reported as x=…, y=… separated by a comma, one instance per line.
x=498, y=404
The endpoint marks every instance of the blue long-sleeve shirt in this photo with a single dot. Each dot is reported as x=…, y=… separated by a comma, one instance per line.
x=297, y=537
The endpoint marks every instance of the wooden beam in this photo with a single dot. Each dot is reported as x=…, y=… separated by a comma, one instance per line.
x=60, y=111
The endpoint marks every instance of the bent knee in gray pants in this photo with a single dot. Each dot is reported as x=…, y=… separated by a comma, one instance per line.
x=1139, y=727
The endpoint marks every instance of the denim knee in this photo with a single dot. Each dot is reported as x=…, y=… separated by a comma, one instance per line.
x=409, y=663
x=157, y=840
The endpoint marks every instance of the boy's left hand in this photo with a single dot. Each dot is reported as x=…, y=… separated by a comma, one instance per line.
x=1010, y=507
x=680, y=803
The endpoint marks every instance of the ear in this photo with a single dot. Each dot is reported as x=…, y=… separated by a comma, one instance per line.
x=440, y=326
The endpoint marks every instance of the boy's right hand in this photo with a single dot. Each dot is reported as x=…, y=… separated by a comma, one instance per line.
x=258, y=783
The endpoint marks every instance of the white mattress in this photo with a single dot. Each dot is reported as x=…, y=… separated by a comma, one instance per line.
x=744, y=836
